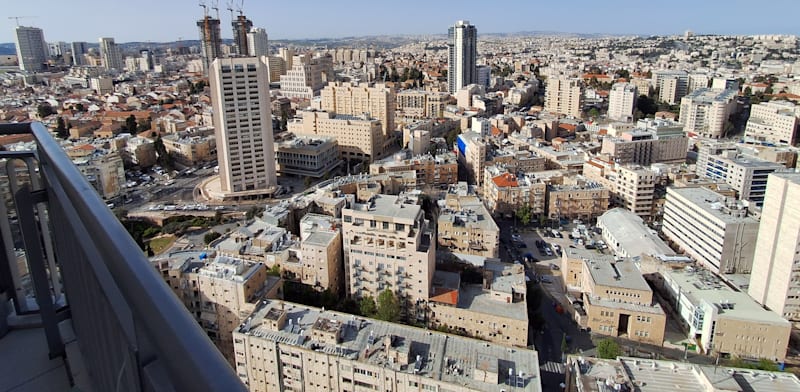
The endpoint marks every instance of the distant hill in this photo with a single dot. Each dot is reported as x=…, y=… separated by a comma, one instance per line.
x=7, y=48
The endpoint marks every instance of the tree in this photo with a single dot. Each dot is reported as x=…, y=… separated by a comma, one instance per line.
x=211, y=236
x=388, y=306
x=524, y=214
x=608, y=349
x=275, y=270
x=367, y=307
x=594, y=113
x=162, y=156
x=44, y=109
x=130, y=123
x=565, y=345
x=647, y=105
x=61, y=128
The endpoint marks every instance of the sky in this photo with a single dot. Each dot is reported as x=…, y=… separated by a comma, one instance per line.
x=170, y=20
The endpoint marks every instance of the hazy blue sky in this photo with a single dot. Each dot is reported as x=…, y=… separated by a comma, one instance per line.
x=167, y=20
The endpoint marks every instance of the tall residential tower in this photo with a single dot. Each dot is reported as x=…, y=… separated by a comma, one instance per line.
x=463, y=52
x=32, y=49
x=109, y=51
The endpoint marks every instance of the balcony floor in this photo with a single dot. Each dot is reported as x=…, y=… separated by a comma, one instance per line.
x=26, y=366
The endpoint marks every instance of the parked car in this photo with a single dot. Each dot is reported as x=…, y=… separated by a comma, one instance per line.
x=554, y=267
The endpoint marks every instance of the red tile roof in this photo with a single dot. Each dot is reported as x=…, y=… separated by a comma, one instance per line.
x=505, y=180
x=445, y=295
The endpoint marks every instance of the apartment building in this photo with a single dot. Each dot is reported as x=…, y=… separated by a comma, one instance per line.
x=634, y=189
x=308, y=156
x=378, y=101
x=576, y=198
x=189, y=149
x=622, y=101
x=646, y=147
x=306, y=76
x=220, y=291
x=745, y=174
x=495, y=310
x=437, y=171
x=243, y=126
x=321, y=253
x=505, y=192
x=111, y=54
x=564, y=96
x=698, y=80
x=418, y=104
x=291, y=346
x=627, y=236
x=472, y=153
x=672, y=85
x=465, y=226
x=616, y=298
x=705, y=111
x=723, y=320
x=105, y=171
x=388, y=244
x=462, y=47
x=774, y=280
x=358, y=137
x=773, y=122
x=718, y=232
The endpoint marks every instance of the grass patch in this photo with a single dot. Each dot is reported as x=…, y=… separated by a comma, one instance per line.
x=160, y=244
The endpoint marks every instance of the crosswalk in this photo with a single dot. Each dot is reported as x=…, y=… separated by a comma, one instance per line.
x=553, y=367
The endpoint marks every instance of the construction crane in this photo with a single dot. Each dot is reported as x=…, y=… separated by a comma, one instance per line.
x=17, y=18
x=215, y=6
x=205, y=8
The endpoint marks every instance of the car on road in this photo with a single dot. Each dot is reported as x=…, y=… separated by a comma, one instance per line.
x=516, y=237
x=554, y=267
x=548, y=252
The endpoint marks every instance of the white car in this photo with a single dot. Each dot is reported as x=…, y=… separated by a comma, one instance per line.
x=516, y=237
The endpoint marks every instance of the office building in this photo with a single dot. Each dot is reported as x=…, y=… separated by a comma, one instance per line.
x=484, y=74
x=306, y=76
x=360, y=138
x=285, y=345
x=243, y=125
x=388, y=245
x=716, y=231
x=379, y=101
x=622, y=101
x=617, y=301
x=210, y=39
x=494, y=310
x=110, y=53
x=241, y=29
x=79, y=49
x=746, y=174
x=417, y=104
x=587, y=374
x=627, y=236
x=258, y=45
x=773, y=281
x=32, y=53
x=704, y=112
x=220, y=291
x=308, y=156
x=724, y=321
x=564, y=96
x=774, y=122
x=462, y=46
x=672, y=85
x=465, y=226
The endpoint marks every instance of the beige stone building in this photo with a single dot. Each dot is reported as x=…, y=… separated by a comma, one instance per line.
x=286, y=346
x=505, y=193
x=359, y=138
x=438, y=170
x=495, y=310
x=105, y=171
x=308, y=156
x=321, y=253
x=418, y=104
x=355, y=99
x=564, y=96
x=465, y=226
x=652, y=141
x=774, y=279
x=190, y=149
x=306, y=76
x=220, y=292
x=705, y=111
x=576, y=198
x=388, y=244
x=774, y=122
x=723, y=320
x=472, y=152
x=616, y=298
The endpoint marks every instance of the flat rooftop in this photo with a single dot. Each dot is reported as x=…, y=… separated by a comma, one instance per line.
x=605, y=271
x=629, y=231
x=387, y=206
x=447, y=358
x=712, y=203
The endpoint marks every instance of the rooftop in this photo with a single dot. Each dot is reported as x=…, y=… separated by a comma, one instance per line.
x=633, y=237
x=714, y=204
x=391, y=207
x=605, y=271
x=447, y=358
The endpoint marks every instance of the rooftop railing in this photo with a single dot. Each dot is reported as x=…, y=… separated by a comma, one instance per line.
x=67, y=256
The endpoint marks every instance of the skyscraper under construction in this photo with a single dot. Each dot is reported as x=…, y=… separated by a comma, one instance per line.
x=241, y=26
x=209, y=40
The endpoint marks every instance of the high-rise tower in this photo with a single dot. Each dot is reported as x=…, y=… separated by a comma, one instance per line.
x=32, y=50
x=109, y=51
x=243, y=124
x=257, y=42
x=241, y=26
x=209, y=40
x=463, y=53
x=78, y=50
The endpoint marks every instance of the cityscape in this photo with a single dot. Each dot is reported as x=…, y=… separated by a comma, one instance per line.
x=452, y=209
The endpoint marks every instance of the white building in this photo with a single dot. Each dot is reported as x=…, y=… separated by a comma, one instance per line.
x=32, y=50
x=672, y=85
x=257, y=42
x=243, y=124
x=306, y=76
x=716, y=231
x=747, y=175
x=773, y=122
x=462, y=49
x=621, y=101
x=773, y=282
x=705, y=111
x=626, y=234
x=564, y=96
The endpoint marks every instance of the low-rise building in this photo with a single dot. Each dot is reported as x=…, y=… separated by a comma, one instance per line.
x=616, y=298
x=719, y=232
x=190, y=148
x=465, y=226
x=495, y=310
x=576, y=198
x=723, y=320
x=104, y=170
x=286, y=345
x=308, y=156
x=505, y=192
x=627, y=236
x=652, y=141
x=438, y=170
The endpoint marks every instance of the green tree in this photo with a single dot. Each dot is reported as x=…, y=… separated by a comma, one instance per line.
x=367, y=307
x=608, y=349
x=766, y=364
x=130, y=123
x=162, y=156
x=524, y=214
x=594, y=113
x=275, y=270
x=565, y=345
x=388, y=306
x=78, y=107
x=646, y=105
x=44, y=109
x=61, y=128
x=211, y=236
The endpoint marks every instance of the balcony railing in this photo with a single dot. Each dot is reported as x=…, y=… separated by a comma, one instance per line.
x=67, y=256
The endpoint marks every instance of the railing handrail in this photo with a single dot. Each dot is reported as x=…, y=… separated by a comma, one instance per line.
x=190, y=358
